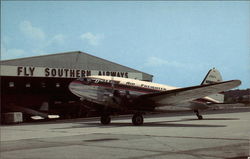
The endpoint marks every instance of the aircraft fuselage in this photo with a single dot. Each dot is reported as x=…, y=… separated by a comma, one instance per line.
x=110, y=91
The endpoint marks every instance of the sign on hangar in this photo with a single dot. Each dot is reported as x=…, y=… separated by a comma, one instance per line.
x=68, y=65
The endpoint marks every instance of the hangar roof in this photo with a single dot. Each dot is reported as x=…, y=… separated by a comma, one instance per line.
x=73, y=60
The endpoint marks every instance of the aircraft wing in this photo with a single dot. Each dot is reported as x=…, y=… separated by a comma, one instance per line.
x=182, y=95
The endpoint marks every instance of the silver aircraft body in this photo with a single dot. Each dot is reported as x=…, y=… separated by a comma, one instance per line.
x=110, y=95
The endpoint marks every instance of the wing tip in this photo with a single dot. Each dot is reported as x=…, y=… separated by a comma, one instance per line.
x=236, y=82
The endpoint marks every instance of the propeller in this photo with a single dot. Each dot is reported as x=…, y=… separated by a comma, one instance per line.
x=118, y=97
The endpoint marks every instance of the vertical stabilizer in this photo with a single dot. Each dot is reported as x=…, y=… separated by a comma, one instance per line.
x=214, y=76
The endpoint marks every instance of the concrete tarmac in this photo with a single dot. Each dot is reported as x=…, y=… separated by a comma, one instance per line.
x=222, y=134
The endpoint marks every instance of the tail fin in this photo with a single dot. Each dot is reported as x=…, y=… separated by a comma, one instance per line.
x=214, y=76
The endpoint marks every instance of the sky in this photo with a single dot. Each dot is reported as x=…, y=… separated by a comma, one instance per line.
x=175, y=41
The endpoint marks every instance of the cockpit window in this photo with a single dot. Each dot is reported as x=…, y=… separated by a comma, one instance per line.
x=85, y=80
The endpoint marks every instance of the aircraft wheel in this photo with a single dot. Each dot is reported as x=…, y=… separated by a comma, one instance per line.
x=137, y=119
x=200, y=117
x=105, y=120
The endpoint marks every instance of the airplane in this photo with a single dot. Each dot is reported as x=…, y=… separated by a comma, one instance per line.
x=110, y=95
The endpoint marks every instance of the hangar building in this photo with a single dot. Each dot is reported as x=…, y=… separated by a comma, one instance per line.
x=39, y=85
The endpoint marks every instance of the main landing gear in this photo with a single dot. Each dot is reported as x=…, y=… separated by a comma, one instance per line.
x=105, y=119
x=137, y=119
x=198, y=114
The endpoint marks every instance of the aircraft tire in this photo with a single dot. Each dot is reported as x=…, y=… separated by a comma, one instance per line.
x=137, y=119
x=200, y=117
x=105, y=120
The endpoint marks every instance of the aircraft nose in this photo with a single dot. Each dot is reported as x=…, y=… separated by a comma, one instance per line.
x=74, y=87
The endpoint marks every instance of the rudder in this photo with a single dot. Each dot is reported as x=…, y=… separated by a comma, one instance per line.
x=214, y=76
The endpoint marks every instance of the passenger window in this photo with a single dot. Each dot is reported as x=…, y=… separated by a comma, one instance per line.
x=88, y=80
